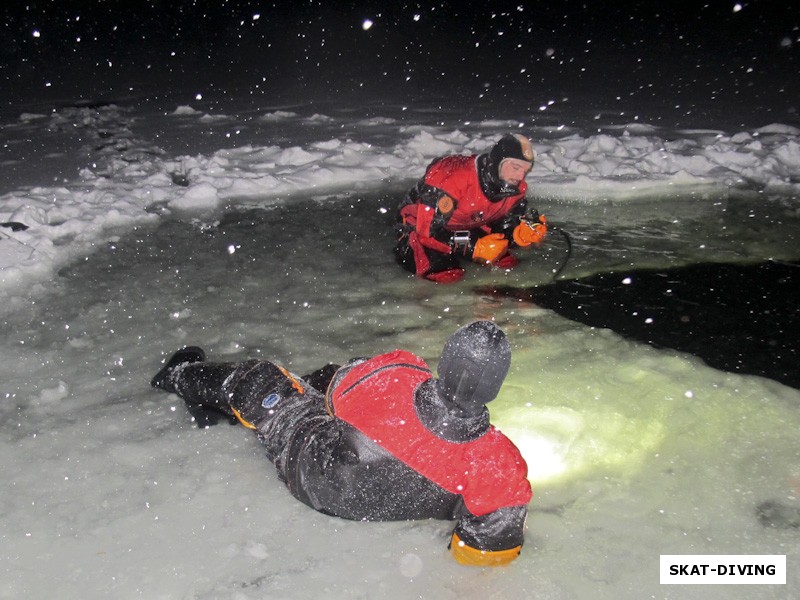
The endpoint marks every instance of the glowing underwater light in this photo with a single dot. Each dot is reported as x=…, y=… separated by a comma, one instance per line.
x=559, y=442
x=544, y=456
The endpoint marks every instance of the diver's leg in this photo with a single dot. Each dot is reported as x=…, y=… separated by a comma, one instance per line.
x=321, y=378
x=204, y=388
x=258, y=390
x=202, y=385
x=252, y=392
x=186, y=374
x=164, y=379
x=443, y=268
x=425, y=262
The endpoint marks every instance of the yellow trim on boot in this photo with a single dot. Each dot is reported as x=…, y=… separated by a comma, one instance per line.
x=467, y=555
x=238, y=415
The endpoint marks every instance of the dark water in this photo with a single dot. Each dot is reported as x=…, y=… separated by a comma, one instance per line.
x=738, y=318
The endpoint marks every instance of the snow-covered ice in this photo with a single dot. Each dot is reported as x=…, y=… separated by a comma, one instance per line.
x=268, y=233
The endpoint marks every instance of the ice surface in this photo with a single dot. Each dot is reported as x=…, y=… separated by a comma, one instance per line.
x=269, y=234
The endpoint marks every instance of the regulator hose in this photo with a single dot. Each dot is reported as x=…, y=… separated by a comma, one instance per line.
x=568, y=239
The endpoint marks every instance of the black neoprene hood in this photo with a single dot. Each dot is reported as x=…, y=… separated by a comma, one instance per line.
x=473, y=365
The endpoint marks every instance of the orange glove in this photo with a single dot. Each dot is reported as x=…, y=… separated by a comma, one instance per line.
x=489, y=248
x=528, y=232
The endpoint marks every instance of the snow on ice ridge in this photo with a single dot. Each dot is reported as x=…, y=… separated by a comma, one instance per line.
x=136, y=181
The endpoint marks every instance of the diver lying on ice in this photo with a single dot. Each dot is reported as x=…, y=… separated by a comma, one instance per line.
x=381, y=439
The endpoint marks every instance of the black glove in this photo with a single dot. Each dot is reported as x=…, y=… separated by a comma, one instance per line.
x=531, y=216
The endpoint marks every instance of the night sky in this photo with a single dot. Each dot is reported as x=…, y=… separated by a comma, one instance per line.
x=735, y=56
